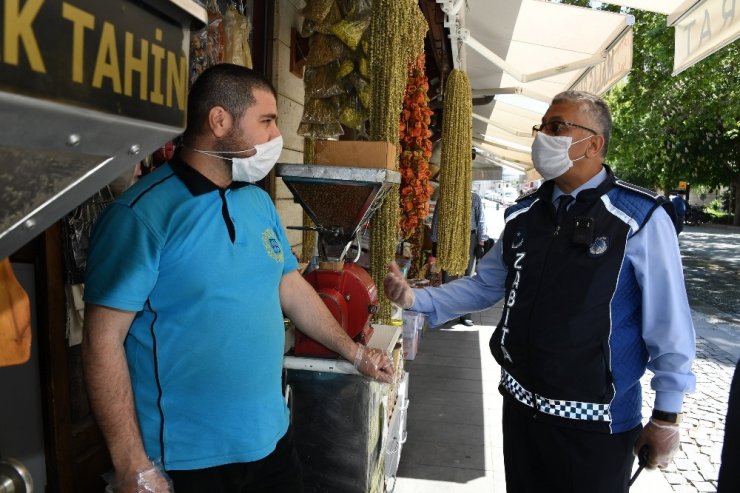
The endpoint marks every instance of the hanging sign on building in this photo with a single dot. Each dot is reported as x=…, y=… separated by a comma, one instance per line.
x=615, y=66
x=117, y=56
x=701, y=31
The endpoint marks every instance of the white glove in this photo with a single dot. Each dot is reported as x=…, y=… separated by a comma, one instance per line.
x=662, y=440
x=396, y=288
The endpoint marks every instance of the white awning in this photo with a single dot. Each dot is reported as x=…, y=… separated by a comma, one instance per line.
x=658, y=6
x=532, y=49
x=702, y=30
x=701, y=26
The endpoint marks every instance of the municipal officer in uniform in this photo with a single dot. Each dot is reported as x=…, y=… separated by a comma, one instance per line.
x=590, y=273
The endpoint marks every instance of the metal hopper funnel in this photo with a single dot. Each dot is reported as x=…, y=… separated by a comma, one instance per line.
x=339, y=200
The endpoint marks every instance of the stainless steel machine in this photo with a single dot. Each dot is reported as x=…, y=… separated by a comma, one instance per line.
x=340, y=201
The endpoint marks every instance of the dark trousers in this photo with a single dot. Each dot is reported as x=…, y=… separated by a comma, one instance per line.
x=472, y=259
x=278, y=472
x=729, y=473
x=542, y=457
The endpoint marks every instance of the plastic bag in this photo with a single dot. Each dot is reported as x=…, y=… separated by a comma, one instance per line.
x=323, y=26
x=324, y=110
x=362, y=87
x=322, y=82
x=325, y=48
x=351, y=113
x=319, y=130
x=216, y=34
x=363, y=66
x=356, y=9
x=350, y=32
x=345, y=68
x=237, y=28
x=317, y=10
x=198, y=53
x=352, y=117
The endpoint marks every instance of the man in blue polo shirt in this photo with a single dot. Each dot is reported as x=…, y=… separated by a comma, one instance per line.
x=188, y=277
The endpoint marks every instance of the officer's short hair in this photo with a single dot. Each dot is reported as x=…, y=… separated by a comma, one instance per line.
x=595, y=108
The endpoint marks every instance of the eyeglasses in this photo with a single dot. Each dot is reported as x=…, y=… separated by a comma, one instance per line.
x=555, y=127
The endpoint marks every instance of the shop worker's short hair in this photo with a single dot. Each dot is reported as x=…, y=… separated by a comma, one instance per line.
x=227, y=85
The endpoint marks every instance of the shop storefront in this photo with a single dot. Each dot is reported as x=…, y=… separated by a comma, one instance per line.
x=93, y=95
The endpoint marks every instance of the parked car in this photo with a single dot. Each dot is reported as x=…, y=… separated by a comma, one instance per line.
x=696, y=215
x=508, y=196
x=531, y=185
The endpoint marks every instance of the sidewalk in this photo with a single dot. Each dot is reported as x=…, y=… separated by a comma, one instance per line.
x=454, y=420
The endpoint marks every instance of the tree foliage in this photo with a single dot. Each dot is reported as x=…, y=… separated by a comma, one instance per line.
x=671, y=128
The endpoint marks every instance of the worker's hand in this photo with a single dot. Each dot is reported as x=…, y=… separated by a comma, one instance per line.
x=480, y=250
x=396, y=288
x=151, y=480
x=662, y=439
x=374, y=363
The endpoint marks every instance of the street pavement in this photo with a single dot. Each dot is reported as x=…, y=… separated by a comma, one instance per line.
x=711, y=256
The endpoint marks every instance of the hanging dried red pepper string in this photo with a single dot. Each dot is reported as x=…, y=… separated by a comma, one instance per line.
x=415, y=150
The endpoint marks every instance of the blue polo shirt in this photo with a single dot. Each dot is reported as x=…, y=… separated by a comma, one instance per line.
x=201, y=267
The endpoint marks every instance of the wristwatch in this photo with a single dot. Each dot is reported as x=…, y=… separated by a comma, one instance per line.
x=674, y=418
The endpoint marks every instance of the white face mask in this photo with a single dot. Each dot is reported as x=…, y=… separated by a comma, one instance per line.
x=550, y=154
x=253, y=168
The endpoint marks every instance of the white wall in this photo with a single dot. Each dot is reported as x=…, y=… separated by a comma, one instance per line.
x=290, y=110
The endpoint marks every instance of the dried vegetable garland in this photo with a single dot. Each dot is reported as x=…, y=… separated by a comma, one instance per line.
x=397, y=31
x=309, y=236
x=415, y=149
x=455, y=176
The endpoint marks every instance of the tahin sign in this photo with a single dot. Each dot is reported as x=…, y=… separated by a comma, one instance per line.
x=116, y=56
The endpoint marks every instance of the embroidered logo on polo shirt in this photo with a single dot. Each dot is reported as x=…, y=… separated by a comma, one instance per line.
x=272, y=245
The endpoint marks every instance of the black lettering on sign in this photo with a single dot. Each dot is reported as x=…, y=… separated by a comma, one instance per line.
x=120, y=57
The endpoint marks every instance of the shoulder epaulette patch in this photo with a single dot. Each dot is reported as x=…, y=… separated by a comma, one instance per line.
x=526, y=195
x=637, y=188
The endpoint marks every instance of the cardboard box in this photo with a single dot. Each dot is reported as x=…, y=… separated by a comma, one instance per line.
x=356, y=154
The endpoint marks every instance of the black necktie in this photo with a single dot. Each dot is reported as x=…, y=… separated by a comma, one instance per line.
x=563, y=206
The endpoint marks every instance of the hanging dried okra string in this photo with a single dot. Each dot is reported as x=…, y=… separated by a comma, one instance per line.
x=309, y=237
x=397, y=29
x=455, y=176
